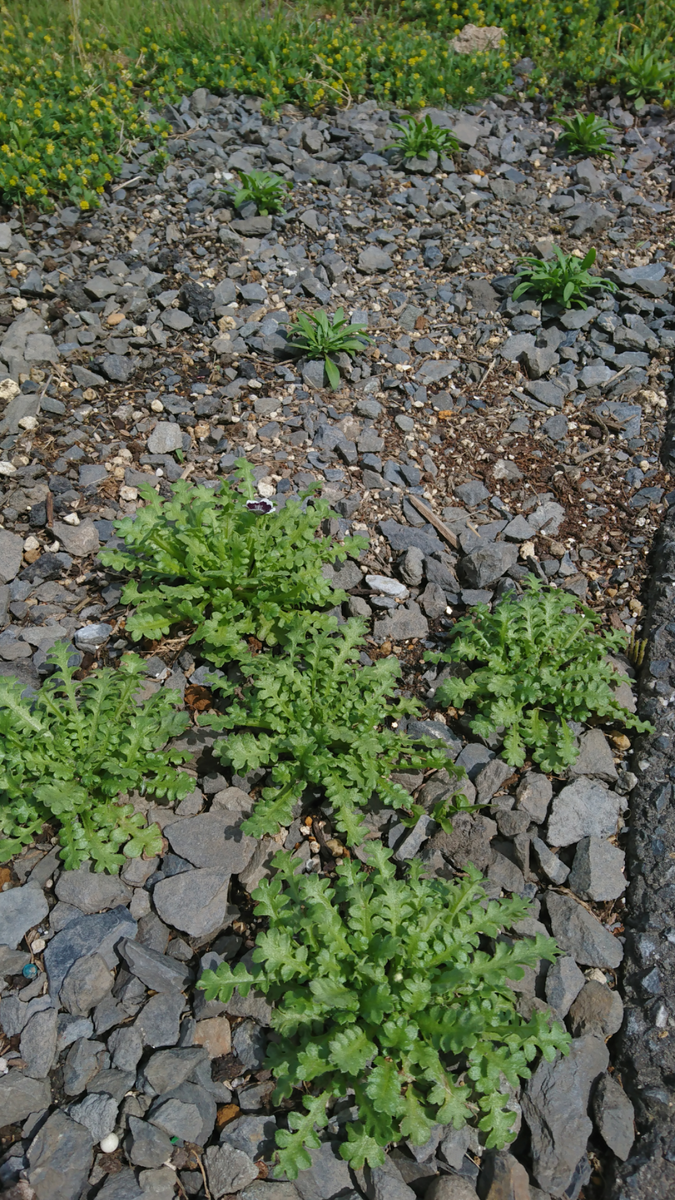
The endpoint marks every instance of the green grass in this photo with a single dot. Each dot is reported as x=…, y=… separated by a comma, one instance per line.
x=74, y=76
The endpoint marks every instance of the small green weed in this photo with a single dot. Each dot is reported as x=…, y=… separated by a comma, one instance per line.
x=584, y=133
x=394, y=992
x=69, y=752
x=564, y=279
x=644, y=75
x=318, y=336
x=419, y=138
x=265, y=189
x=535, y=664
x=319, y=720
x=227, y=564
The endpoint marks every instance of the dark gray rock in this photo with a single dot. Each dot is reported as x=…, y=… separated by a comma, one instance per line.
x=269, y=1191
x=404, y=622
x=474, y=758
x=583, y=809
x=533, y=795
x=580, y=934
x=195, y=901
x=94, y=934
x=454, y=1187
x=159, y=972
x=437, y=730
x=373, y=259
x=84, y=1060
x=167, y=1069
x=401, y=537
x=60, y=1158
x=126, y=1047
x=472, y=493
x=597, y=871
x=595, y=758
x=122, y=1186
x=327, y=1176
x=176, y=1111
x=250, y=1045
x=412, y=567
x=97, y=1112
x=254, y=1135
x=555, y=1103
x=11, y=555
x=489, y=779
x=468, y=841
x=433, y=601
x=564, y=981
x=87, y=982
x=228, y=1170
x=91, y=891
x=118, y=368
x=210, y=840
x=386, y=1183
x=159, y=1021
x=21, y=909
x=597, y=1009
x=614, y=1116
x=147, y=1146
x=38, y=1043
x=20, y=1095
x=482, y=568
x=552, y=866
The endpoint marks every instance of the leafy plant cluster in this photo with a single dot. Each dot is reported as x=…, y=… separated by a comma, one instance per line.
x=319, y=335
x=565, y=279
x=320, y=722
x=585, y=133
x=70, y=751
x=74, y=91
x=227, y=564
x=419, y=138
x=532, y=665
x=395, y=991
x=265, y=189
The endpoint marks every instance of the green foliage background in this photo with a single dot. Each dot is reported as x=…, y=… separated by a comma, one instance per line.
x=72, y=92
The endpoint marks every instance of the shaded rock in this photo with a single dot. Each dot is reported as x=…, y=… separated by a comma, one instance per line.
x=250, y=1045
x=167, y=1069
x=502, y=1177
x=178, y=1119
x=482, y=568
x=533, y=795
x=404, y=622
x=21, y=909
x=195, y=901
x=228, y=1170
x=97, y=1112
x=384, y=1183
x=555, y=1103
x=60, y=1158
x=564, y=981
x=121, y=1186
x=159, y=972
x=469, y=841
x=20, y=1095
x=211, y=840
x=126, y=1047
x=269, y=1191
x=11, y=555
x=580, y=934
x=597, y=871
x=582, y=809
x=38, y=1043
x=490, y=778
x=78, y=540
x=451, y=1187
x=87, y=982
x=552, y=866
x=84, y=1060
x=433, y=601
x=597, y=1010
x=437, y=730
x=146, y=1145
x=91, y=892
x=255, y=1135
x=595, y=758
x=159, y=1021
x=614, y=1116
x=189, y=1096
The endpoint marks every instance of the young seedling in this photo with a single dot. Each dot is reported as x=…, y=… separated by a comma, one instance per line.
x=419, y=138
x=266, y=190
x=644, y=75
x=319, y=336
x=396, y=993
x=564, y=279
x=534, y=664
x=584, y=133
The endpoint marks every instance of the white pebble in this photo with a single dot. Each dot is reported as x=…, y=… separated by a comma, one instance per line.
x=109, y=1143
x=3, y=1066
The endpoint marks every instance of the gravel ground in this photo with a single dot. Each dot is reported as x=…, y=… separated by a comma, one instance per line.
x=476, y=439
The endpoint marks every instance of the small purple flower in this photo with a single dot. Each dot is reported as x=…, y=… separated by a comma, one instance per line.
x=260, y=506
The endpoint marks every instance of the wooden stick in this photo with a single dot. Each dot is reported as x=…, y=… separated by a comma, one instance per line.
x=431, y=517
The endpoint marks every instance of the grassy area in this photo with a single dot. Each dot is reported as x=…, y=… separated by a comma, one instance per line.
x=75, y=74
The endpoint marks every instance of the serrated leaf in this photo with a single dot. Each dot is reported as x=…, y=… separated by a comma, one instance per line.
x=350, y=1050
x=360, y=1149
x=384, y=1087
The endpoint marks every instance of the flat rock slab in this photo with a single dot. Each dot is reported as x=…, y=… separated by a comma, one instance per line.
x=98, y=934
x=211, y=840
x=60, y=1158
x=580, y=934
x=20, y=1096
x=21, y=909
x=195, y=901
x=583, y=809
